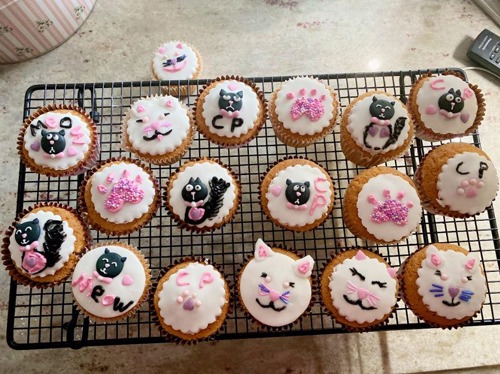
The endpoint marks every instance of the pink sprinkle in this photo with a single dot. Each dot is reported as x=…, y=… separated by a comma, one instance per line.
x=302, y=91
x=110, y=178
x=102, y=188
x=371, y=199
x=401, y=194
x=179, y=45
x=169, y=104
x=140, y=109
x=162, y=50
x=322, y=97
x=313, y=92
x=387, y=193
x=290, y=95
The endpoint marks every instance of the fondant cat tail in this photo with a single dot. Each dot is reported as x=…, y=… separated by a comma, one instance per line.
x=54, y=238
x=217, y=189
x=398, y=127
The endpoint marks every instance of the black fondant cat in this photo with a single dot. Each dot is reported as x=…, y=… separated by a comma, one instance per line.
x=297, y=193
x=230, y=103
x=110, y=264
x=27, y=232
x=451, y=101
x=53, y=142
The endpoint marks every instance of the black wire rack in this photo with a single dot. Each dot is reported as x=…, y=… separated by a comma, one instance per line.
x=48, y=319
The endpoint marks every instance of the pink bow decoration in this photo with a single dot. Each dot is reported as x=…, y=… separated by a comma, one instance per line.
x=296, y=207
x=227, y=114
x=362, y=293
x=447, y=114
x=29, y=247
x=381, y=122
x=101, y=278
x=274, y=295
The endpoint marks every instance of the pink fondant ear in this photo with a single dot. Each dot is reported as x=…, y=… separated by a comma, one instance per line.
x=179, y=45
x=262, y=250
x=125, y=173
x=392, y=272
x=140, y=108
x=433, y=258
x=471, y=263
x=169, y=104
x=360, y=255
x=303, y=267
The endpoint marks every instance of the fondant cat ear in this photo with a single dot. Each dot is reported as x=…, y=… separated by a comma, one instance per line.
x=360, y=255
x=303, y=267
x=262, y=250
x=392, y=272
x=36, y=221
x=471, y=263
x=433, y=258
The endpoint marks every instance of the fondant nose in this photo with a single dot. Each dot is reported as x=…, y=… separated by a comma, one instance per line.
x=106, y=266
x=24, y=235
x=298, y=193
x=362, y=293
x=274, y=295
x=453, y=291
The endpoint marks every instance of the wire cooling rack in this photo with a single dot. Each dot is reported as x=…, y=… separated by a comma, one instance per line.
x=48, y=319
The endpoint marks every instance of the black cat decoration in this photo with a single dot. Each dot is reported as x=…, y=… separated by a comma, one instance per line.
x=109, y=264
x=53, y=143
x=27, y=235
x=230, y=104
x=451, y=102
x=380, y=133
x=297, y=194
x=194, y=194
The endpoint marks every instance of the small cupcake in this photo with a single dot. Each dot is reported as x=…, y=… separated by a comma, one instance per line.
x=382, y=205
x=158, y=129
x=191, y=300
x=42, y=246
x=303, y=111
x=58, y=140
x=174, y=61
x=230, y=111
x=275, y=286
x=443, y=284
x=359, y=289
x=375, y=128
x=445, y=106
x=111, y=281
x=456, y=180
x=297, y=194
x=202, y=195
x=119, y=196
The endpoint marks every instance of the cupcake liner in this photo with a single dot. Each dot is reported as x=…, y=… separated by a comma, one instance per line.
x=117, y=228
x=310, y=226
x=82, y=166
x=241, y=304
x=142, y=299
x=32, y=282
x=179, y=221
x=156, y=318
x=162, y=159
x=226, y=142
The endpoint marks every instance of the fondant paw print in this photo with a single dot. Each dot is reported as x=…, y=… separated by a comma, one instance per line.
x=390, y=210
x=125, y=190
x=188, y=300
x=308, y=104
x=469, y=188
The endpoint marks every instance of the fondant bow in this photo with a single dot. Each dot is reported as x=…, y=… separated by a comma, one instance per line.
x=382, y=122
x=29, y=247
x=296, y=207
x=101, y=278
x=227, y=114
x=447, y=114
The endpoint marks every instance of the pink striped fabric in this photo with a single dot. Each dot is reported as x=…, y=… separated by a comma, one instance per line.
x=29, y=28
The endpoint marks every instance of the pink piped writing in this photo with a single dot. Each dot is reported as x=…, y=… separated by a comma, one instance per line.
x=317, y=181
x=436, y=84
x=179, y=280
x=206, y=278
x=319, y=199
x=83, y=283
x=108, y=300
x=436, y=261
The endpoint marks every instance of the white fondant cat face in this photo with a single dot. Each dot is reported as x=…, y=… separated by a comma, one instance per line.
x=363, y=289
x=276, y=289
x=451, y=283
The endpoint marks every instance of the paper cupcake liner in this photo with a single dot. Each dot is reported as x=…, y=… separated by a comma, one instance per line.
x=117, y=228
x=32, y=282
x=426, y=134
x=226, y=142
x=156, y=318
x=143, y=297
x=372, y=326
x=305, y=228
x=179, y=221
x=241, y=304
x=82, y=166
x=162, y=159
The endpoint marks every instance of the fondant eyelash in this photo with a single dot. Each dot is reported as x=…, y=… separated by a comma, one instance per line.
x=469, y=277
x=380, y=284
x=438, y=273
x=291, y=284
x=263, y=275
x=355, y=272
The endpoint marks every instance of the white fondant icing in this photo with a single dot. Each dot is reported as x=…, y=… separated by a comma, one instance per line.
x=467, y=193
x=190, y=319
x=67, y=247
x=73, y=152
x=277, y=203
x=445, y=287
x=344, y=284
x=156, y=116
x=171, y=50
x=360, y=118
x=248, y=113
x=433, y=119
x=205, y=171
x=129, y=211
x=387, y=229
x=304, y=125
x=128, y=285
x=279, y=275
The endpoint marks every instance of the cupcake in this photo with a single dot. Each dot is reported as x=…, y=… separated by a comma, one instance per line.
x=111, y=281
x=456, y=180
x=275, y=286
x=297, y=194
x=375, y=128
x=58, y=140
x=191, y=300
x=158, y=129
x=359, y=289
x=230, y=111
x=119, y=196
x=42, y=246
x=175, y=61
x=303, y=111
x=202, y=195
x=381, y=205
x=445, y=106
x=443, y=284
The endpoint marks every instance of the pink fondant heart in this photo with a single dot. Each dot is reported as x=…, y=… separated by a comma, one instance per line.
x=233, y=86
x=431, y=109
x=127, y=280
x=72, y=151
x=464, y=117
x=196, y=213
x=276, y=190
x=35, y=146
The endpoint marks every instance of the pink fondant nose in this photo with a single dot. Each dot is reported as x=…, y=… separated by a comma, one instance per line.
x=106, y=266
x=155, y=125
x=453, y=291
x=362, y=293
x=51, y=142
x=24, y=235
x=298, y=193
x=193, y=193
x=274, y=295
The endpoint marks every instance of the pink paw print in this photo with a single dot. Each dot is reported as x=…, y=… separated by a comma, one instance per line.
x=310, y=106
x=125, y=190
x=188, y=300
x=390, y=210
x=469, y=188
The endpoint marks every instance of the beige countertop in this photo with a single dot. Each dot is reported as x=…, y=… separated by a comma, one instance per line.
x=259, y=38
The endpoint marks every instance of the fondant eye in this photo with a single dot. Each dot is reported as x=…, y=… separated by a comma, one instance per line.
x=167, y=63
x=226, y=97
x=387, y=107
x=302, y=188
x=114, y=264
x=380, y=284
x=49, y=136
x=378, y=106
x=438, y=273
x=105, y=260
x=469, y=277
x=458, y=100
x=449, y=97
x=56, y=137
x=292, y=284
x=296, y=188
x=197, y=188
x=189, y=188
x=19, y=232
x=139, y=121
x=237, y=98
x=28, y=228
x=263, y=275
x=166, y=114
x=181, y=58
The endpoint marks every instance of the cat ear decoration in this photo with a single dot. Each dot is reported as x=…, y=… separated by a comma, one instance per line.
x=288, y=182
x=471, y=263
x=197, y=180
x=393, y=103
x=451, y=91
x=36, y=221
x=374, y=98
x=303, y=267
x=44, y=132
x=106, y=250
x=62, y=132
x=307, y=184
x=222, y=92
x=262, y=250
x=123, y=259
x=392, y=272
x=240, y=94
x=433, y=259
x=191, y=180
x=360, y=255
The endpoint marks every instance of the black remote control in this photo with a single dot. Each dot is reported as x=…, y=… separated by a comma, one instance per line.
x=486, y=51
